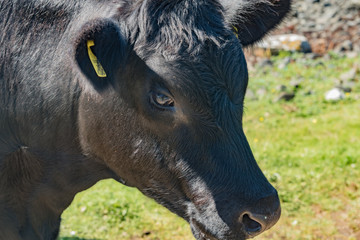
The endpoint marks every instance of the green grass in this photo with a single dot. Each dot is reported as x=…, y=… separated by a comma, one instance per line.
x=308, y=148
x=112, y=211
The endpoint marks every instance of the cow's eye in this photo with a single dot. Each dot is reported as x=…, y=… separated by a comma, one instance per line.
x=161, y=100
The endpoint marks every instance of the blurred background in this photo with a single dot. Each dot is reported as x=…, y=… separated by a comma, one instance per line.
x=302, y=120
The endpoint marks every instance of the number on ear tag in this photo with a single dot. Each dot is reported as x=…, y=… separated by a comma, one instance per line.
x=94, y=61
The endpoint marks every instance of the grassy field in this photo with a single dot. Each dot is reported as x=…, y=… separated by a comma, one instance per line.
x=308, y=148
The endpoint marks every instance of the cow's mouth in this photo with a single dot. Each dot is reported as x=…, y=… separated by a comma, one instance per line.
x=200, y=231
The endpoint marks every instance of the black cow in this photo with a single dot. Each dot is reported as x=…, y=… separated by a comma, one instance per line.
x=148, y=92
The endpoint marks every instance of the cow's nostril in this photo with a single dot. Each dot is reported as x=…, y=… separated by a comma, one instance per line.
x=251, y=226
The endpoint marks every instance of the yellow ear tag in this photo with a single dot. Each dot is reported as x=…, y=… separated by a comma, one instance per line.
x=236, y=32
x=94, y=61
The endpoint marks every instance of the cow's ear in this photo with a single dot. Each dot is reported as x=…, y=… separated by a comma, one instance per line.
x=100, y=51
x=252, y=19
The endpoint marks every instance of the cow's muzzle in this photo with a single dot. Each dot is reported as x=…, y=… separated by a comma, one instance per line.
x=246, y=223
x=261, y=216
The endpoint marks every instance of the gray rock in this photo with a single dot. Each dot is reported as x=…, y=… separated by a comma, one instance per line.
x=334, y=94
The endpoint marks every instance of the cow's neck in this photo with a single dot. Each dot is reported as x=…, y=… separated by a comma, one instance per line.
x=40, y=187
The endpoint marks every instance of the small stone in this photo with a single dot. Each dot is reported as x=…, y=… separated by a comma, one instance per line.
x=284, y=62
x=334, y=94
x=347, y=45
x=312, y=55
x=305, y=47
x=296, y=83
x=286, y=96
x=250, y=95
x=261, y=92
x=265, y=63
x=328, y=14
x=352, y=54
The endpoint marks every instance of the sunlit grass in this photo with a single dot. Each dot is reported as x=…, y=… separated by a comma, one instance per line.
x=308, y=148
x=112, y=211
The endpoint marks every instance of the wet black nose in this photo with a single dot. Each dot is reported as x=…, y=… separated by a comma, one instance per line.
x=261, y=216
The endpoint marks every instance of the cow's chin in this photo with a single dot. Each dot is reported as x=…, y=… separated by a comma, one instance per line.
x=201, y=233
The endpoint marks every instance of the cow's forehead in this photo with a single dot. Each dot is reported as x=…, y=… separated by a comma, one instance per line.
x=214, y=74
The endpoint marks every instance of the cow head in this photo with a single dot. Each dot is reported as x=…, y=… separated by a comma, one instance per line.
x=167, y=117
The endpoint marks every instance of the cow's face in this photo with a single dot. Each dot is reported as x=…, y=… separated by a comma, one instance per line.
x=168, y=120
